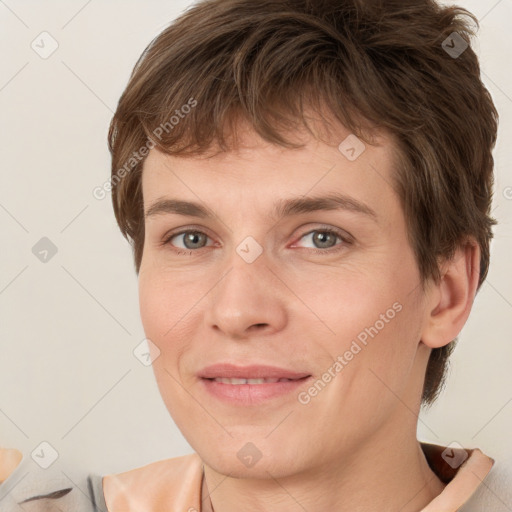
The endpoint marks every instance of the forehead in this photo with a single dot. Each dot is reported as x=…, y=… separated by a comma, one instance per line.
x=260, y=173
x=328, y=139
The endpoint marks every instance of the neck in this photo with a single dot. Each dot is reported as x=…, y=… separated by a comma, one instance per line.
x=390, y=476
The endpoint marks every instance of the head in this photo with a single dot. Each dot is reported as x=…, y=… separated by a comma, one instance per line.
x=241, y=106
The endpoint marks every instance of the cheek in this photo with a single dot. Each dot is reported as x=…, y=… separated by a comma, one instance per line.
x=161, y=312
x=375, y=376
x=168, y=303
x=371, y=321
x=349, y=301
x=384, y=369
x=163, y=301
x=152, y=306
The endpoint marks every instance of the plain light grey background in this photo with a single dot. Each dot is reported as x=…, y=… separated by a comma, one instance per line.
x=68, y=326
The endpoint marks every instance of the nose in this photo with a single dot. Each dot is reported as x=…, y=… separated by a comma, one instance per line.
x=248, y=301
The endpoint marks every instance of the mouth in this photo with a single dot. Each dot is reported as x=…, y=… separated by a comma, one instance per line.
x=250, y=385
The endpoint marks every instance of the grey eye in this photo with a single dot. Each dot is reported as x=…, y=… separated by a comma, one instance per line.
x=193, y=239
x=322, y=239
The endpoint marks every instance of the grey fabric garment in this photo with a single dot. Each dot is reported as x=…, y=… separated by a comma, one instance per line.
x=60, y=488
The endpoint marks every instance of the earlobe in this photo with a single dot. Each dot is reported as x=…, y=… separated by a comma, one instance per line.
x=452, y=298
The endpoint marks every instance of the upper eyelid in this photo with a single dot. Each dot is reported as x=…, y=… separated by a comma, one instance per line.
x=170, y=235
x=336, y=232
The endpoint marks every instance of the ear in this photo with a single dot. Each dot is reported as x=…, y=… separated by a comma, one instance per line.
x=450, y=301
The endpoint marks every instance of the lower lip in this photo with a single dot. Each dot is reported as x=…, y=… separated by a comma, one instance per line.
x=251, y=394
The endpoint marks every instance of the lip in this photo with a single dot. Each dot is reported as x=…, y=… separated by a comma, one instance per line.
x=250, y=394
x=231, y=371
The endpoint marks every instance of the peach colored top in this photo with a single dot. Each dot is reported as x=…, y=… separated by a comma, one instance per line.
x=176, y=484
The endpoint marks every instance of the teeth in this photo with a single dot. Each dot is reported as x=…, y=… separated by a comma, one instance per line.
x=237, y=382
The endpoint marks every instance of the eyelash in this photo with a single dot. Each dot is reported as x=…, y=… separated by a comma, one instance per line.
x=330, y=231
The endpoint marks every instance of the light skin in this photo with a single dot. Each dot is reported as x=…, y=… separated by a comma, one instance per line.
x=353, y=446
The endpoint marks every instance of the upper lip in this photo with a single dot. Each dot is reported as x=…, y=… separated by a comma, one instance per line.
x=231, y=371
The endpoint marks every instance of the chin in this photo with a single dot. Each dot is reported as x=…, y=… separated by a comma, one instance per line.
x=262, y=470
x=263, y=461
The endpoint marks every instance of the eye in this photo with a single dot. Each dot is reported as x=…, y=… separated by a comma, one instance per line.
x=191, y=241
x=324, y=240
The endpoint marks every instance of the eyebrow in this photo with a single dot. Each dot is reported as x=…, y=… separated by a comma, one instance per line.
x=282, y=208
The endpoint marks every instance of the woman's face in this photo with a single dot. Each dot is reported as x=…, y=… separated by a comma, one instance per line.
x=324, y=293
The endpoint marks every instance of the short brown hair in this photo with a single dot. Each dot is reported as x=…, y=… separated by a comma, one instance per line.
x=371, y=63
